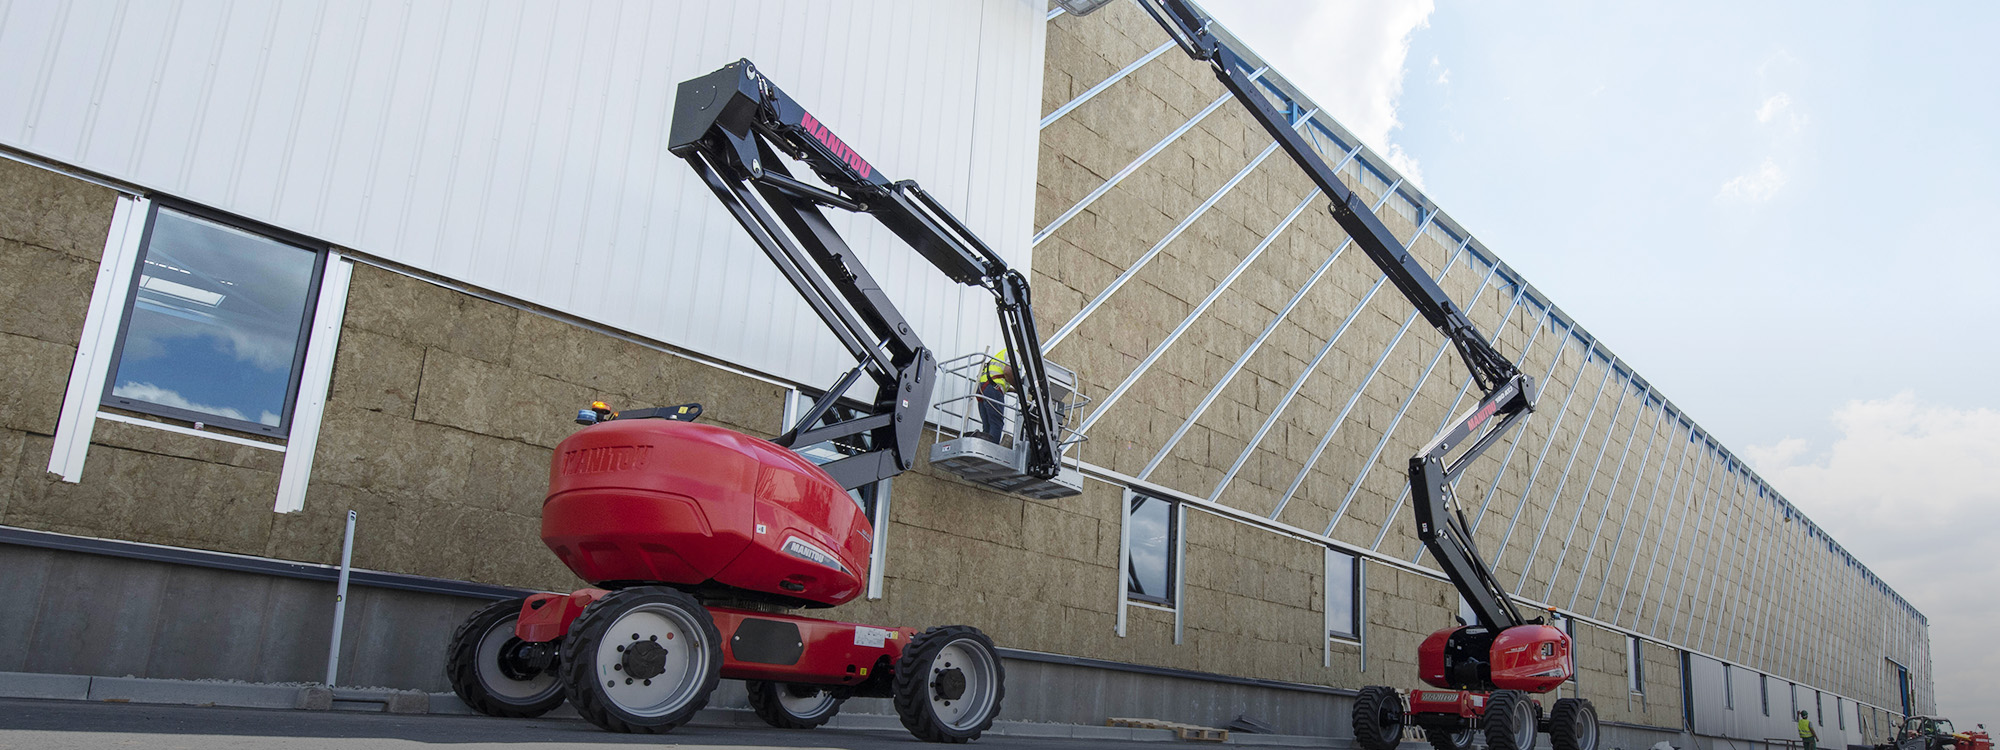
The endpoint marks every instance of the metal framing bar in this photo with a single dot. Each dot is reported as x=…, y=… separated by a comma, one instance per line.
x=1631, y=497
x=1256, y=344
x=1520, y=292
x=1639, y=545
x=1514, y=441
x=1583, y=500
x=1528, y=487
x=1060, y=220
x=1133, y=270
x=1188, y=322
x=1697, y=442
x=1610, y=494
x=1724, y=557
x=1705, y=536
x=1695, y=499
x=1086, y=96
x=1415, y=390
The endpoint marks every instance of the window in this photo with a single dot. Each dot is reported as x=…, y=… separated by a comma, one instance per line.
x=216, y=324
x=1819, y=708
x=1154, y=535
x=1903, y=685
x=1840, y=711
x=1635, y=664
x=1764, y=692
x=1728, y=687
x=1343, y=595
x=1794, y=715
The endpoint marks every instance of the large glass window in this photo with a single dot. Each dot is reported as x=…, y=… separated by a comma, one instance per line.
x=1728, y=687
x=1153, y=534
x=1343, y=595
x=216, y=324
x=1764, y=692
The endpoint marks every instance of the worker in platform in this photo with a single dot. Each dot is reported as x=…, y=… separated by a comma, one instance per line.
x=994, y=384
x=1806, y=736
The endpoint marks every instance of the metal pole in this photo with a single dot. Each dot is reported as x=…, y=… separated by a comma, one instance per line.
x=340, y=601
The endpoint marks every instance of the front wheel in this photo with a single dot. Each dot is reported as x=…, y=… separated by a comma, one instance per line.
x=788, y=705
x=1378, y=718
x=949, y=684
x=1573, y=725
x=498, y=674
x=1453, y=739
x=642, y=659
x=1510, y=721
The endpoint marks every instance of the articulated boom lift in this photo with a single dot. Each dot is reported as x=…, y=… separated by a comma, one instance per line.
x=696, y=537
x=1485, y=668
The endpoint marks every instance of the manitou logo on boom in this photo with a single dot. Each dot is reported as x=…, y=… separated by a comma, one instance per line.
x=838, y=147
x=608, y=458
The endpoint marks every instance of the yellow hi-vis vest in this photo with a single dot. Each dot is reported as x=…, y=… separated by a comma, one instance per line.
x=1805, y=728
x=996, y=371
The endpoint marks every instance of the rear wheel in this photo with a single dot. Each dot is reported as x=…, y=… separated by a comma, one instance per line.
x=642, y=659
x=1378, y=718
x=789, y=705
x=949, y=684
x=1450, y=739
x=498, y=674
x=1573, y=725
x=1510, y=721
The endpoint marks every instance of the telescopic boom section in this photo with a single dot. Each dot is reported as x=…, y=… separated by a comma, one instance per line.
x=1508, y=394
x=731, y=126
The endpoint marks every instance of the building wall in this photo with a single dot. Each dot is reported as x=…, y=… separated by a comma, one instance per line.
x=1611, y=505
x=521, y=147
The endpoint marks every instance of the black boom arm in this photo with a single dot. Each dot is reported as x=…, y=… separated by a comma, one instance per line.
x=731, y=126
x=1509, y=395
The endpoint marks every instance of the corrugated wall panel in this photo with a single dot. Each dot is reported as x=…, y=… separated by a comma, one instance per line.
x=518, y=146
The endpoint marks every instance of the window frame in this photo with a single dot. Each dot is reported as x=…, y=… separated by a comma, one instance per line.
x=1353, y=634
x=1635, y=665
x=321, y=251
x=1170, y=600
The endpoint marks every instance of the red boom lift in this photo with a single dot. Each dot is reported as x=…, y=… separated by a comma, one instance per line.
x=697, y=538
x=1485, y=671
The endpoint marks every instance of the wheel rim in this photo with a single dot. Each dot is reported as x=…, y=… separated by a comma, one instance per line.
x=493, y=645
x=804, y=701
x=1586, y=728
x=651, y=659
x=1524, y=720
x=963, y=682
x=1463, y=738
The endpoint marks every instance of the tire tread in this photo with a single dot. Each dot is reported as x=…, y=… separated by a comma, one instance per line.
x=461, y=667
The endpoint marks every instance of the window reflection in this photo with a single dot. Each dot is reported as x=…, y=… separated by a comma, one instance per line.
x=215, y=328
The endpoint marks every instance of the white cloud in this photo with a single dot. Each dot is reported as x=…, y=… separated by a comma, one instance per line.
x=1772, y=107
x=1909, y=488
x=168, y=397
x=1348, y=57
x=1755, y=187
x=1778, y=110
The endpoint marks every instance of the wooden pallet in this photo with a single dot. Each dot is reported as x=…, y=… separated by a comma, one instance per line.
x=1189, y=732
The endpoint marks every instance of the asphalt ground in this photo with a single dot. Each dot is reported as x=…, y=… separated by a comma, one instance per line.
x=80, y=725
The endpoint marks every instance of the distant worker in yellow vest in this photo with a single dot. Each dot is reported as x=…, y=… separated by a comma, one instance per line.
x=993, y=387
x=1806, y=736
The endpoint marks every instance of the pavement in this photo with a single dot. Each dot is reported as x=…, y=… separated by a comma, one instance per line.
x=79, y=725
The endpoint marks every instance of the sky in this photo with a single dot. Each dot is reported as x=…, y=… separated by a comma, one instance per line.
x=1774, y=211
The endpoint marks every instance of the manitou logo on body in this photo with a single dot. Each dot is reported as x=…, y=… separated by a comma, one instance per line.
x=605, y=458
x=838, y=147
x=805, y=550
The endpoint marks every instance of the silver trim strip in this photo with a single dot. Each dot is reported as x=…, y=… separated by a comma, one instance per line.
x=1051, y=117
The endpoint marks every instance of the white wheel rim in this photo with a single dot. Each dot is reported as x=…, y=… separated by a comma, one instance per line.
x=1586, y=728
x=1462, y=739
x=675, y=630
x=1524, y=717
x=486, y=660
x=981, y=673
x=803, y=701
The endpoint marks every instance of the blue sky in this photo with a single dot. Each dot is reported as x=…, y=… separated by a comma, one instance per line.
x=1775, y=211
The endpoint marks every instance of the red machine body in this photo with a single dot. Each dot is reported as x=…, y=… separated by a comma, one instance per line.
x=698, y=505
x=1464, y=704
x=1535, y=658
x=1979, y=740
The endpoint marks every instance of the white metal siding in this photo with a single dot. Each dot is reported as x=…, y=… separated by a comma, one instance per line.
x=518, y=146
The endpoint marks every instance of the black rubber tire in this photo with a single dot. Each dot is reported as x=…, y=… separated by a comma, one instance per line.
x=1573, y=725
x=766, y=699
x=1461, y=739
x=914, y=684
x=581, y=671
x=1379, y=718
x=474, y=685
x=1509, y=721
